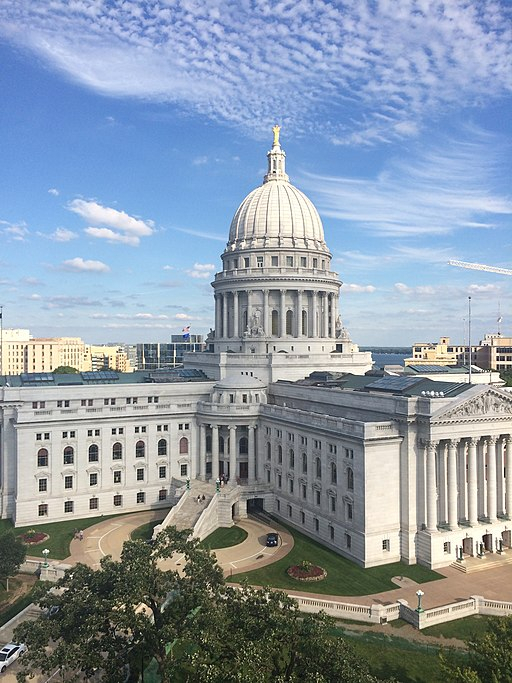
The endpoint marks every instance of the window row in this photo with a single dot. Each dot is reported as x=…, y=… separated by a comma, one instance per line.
x=71, y=434
x=276, y=261
x=93, y=452
x=140, y=475
x=94, y=503
x=333, y=469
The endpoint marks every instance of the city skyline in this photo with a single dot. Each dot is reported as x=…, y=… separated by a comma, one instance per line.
x=131, y=136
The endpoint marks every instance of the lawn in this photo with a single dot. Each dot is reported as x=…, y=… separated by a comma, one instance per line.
x=343, y=577
x=460, y=628
x=15, y=607
x=145, y=532
x=60, y=533
x=224, y=538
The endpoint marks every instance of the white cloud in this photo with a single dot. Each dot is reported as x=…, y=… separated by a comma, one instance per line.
x=204, y=235
x=62, y=235
x=168, y=268
x=351, y=287
x=201, y=270
x=200, y=161
x=18, y=233
x=53, y=191
x=380, y=68
x=111, y=224
x=79, y=265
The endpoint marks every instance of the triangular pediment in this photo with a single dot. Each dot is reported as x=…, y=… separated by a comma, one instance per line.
x=487, y=403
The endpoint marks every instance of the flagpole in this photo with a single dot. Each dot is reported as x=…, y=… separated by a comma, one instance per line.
x=469, y=335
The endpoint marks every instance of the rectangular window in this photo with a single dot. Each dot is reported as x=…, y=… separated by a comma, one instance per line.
x=72, y=435
x=162, y=494
x=331, y=532
x=268, y=476
x=349, y=453
x=246, y=262
x=93, y=479
x=141, y=497
x=43, y=485
x=162, y=472
x=140, y=474
x=350, y=511
x=317, y=497
x=68, y=482
x=89, y=432
x=290, y=485
x=259, y=261
x=118, y=500
x=93, y=503
x=446, y=547
x=303, y=491
x=333, y=504
x=386, y=545
x=64, y=435
x=302, y=517
x=69, y=506
x=289, y=510
x=117, y=476
x=315, y=263
x=348, y=541
x=289, y=261
x=42, y=510
x=42, y=458
x=275, y=261
x=69, y=458
x=184, y=470
x=39, y=436
x=278, y=505
x=279, y=481
x=46, y=436
x=303, y=261
x=317, y=525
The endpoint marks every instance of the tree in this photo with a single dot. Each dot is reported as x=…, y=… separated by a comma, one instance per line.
x=489, y=658
x=12, y=555
x=65, y=370
x=194, y=626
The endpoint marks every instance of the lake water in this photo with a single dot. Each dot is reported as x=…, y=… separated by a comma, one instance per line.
x=382, y=359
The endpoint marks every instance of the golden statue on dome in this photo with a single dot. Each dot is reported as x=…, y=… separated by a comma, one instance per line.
x=276, y=130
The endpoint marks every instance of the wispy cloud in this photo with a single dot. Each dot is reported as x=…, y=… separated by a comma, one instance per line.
x=201, y=271
x=205, y=235
x=382, y=67
x=357, y=289
x=60, y=235
x=110, y=224
x=434, y=190
x=80, y=265
x=53, y=191
x=17, y=233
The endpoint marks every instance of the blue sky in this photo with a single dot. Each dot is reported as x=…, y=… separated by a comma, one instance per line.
x=131, y=132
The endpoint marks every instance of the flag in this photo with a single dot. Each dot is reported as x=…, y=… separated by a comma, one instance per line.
x=186, y=332
x=500, y=319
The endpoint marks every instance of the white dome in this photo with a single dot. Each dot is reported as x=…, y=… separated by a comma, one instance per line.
x=276, y=211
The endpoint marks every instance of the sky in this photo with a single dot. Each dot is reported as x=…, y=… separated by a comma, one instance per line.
x=131, y=131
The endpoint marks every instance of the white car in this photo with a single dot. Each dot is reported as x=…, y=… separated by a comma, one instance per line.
x=10, y=653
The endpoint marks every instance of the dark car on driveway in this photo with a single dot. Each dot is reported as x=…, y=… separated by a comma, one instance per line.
x=272, y=539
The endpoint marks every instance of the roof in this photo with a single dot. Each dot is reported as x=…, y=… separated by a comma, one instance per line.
x=39, y=379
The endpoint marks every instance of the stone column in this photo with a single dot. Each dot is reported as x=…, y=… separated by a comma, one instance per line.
x=508, y=478
x=500, y=483
x=472, y=484
x=431, y=486
x=215, y=452
x=442, y=491
x=299, y=313
x=452, y=484
x=266, y=324
x=251, y=456
x=225, y=315
x=326, y=314
x=491, y=479
x=282, y=314
x=314, y=329
x=461, y=475
x=232, y=455
x=218, y=316
x=236, y=332
x=202, y=452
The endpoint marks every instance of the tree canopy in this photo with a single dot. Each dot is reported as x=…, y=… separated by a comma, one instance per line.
x=489, y=658
x=65, y=370
x=12, y=555
x=193, y=626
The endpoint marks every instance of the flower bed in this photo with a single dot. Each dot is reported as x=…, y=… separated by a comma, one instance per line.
x=33, y=537
x=306, y=572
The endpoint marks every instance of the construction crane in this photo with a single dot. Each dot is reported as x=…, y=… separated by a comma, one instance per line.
x=480, y=266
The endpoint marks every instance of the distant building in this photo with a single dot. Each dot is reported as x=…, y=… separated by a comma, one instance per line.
x=493, y=352
x=106, y=357
x=23, y=353
x=160, y=355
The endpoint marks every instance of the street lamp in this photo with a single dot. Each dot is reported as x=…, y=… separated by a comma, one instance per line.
x=420, y=594
x=46, y=552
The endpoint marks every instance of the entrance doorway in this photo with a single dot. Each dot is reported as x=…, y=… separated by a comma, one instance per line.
x=255, y=505
x=487, y=541
x=506, y=538
x=244, y=470
x=467, y=546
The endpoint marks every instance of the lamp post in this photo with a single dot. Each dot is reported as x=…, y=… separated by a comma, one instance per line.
x=188, y=483
x=217, y=485
x=420, y=594
x=46, y=552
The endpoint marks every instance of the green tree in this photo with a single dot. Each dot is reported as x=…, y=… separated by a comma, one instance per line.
x=12, y=555
x=65, y=370
x=489, y=657
x=188, y=621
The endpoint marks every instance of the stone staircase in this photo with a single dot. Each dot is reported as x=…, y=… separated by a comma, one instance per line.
x=186, y=515
x=482, y=564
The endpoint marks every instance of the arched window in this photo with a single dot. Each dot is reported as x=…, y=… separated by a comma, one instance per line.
x=69, y=455
x=275, y=323
x=162, y=447
x=318, y=467
x=183, y=445
x=305, y=323
x=269, y=450
x=304, y=463
x=42, y=457
x=350, y=479
x=208, y=443
x=291, y=459
x=289, y=322
x=94, y=453
x=334, y=473
x=243, y=446
x=140, y=449
x=280, y=455
x=117, y=451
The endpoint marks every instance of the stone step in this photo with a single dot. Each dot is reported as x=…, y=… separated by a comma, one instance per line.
x=476, y=564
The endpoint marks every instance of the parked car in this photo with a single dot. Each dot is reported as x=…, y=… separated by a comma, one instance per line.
x=272, y=539
x=10, y=653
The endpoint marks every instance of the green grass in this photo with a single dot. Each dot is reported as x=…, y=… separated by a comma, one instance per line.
x=11, y=611
x=145, y=532
x=343, y=576
x=61, y=535
x=460, y=628
x=224, y=538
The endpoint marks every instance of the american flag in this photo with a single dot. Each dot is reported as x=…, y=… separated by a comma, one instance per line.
x=186, y=332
